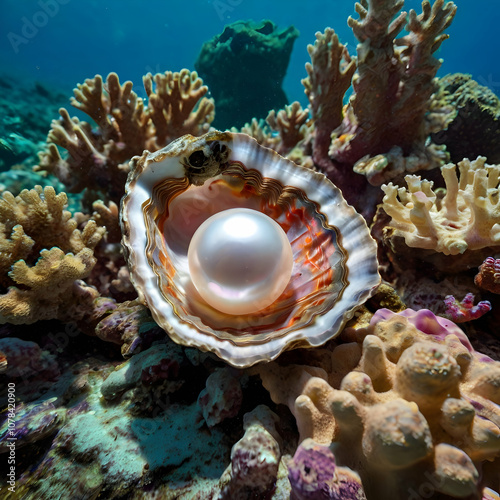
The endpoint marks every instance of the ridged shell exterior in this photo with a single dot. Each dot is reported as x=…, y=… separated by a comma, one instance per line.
x=169, y=193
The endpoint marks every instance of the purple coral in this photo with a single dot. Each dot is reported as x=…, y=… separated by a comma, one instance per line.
x=313, y=475
x=430, y=324
x=459, y=312
x=31, y=424
x=22, y=358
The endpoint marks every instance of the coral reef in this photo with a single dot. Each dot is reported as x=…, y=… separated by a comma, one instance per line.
x=414, y=401
x=26, y=107
x=394, y=79
x=98, y=160
x=454, y=230
x=44, y=258
x=256, y=55
x=488, y=277
x=402, y=403
x=472, y=118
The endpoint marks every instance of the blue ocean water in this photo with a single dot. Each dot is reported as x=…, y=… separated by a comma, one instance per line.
x=66, y=41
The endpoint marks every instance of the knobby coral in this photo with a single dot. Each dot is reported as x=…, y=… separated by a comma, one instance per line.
x=488, y=277
x=400, y=401
x=404, y=401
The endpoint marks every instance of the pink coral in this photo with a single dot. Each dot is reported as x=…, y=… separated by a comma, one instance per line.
x=488, y=277
x=459, y=312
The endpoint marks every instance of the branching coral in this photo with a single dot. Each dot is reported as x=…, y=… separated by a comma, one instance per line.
x=98, y=159
x=392, y=87
x=407, y=399
x=330, y=73
x=459, y=312
x=177, y=106
x=382, y=131
x=464, y=222
x=290, y=124
x=43, y=258
x=282, y=131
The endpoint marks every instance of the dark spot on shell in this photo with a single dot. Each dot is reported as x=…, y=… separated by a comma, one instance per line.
x=197, y=159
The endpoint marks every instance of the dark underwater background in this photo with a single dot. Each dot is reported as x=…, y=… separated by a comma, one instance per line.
x=81, y=38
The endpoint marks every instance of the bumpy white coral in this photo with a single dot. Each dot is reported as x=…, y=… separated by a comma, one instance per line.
x=467, y=217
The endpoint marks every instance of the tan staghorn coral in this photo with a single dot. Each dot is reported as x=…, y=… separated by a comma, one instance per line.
x=384, y=123
x=98, y=159
x=403, y=402
x=464, y=222
x=260, y=131
x=282, y=130
x=43, y=257
x=177, y=105
x=290, y=124
x=329, y=76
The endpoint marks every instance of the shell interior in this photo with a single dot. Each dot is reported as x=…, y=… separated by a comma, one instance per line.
x=171, y=192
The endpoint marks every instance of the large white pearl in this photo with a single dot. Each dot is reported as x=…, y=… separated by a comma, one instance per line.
x=240, y=261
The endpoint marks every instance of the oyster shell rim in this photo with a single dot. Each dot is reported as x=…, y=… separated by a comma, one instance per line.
x=347, y=221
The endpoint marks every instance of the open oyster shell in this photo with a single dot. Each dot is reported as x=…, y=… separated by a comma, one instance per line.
x=171, y=192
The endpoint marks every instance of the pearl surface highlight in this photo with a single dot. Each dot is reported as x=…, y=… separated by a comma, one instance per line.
x=240, y=261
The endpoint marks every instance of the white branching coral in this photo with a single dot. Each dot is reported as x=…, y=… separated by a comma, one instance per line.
x=466, y=217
